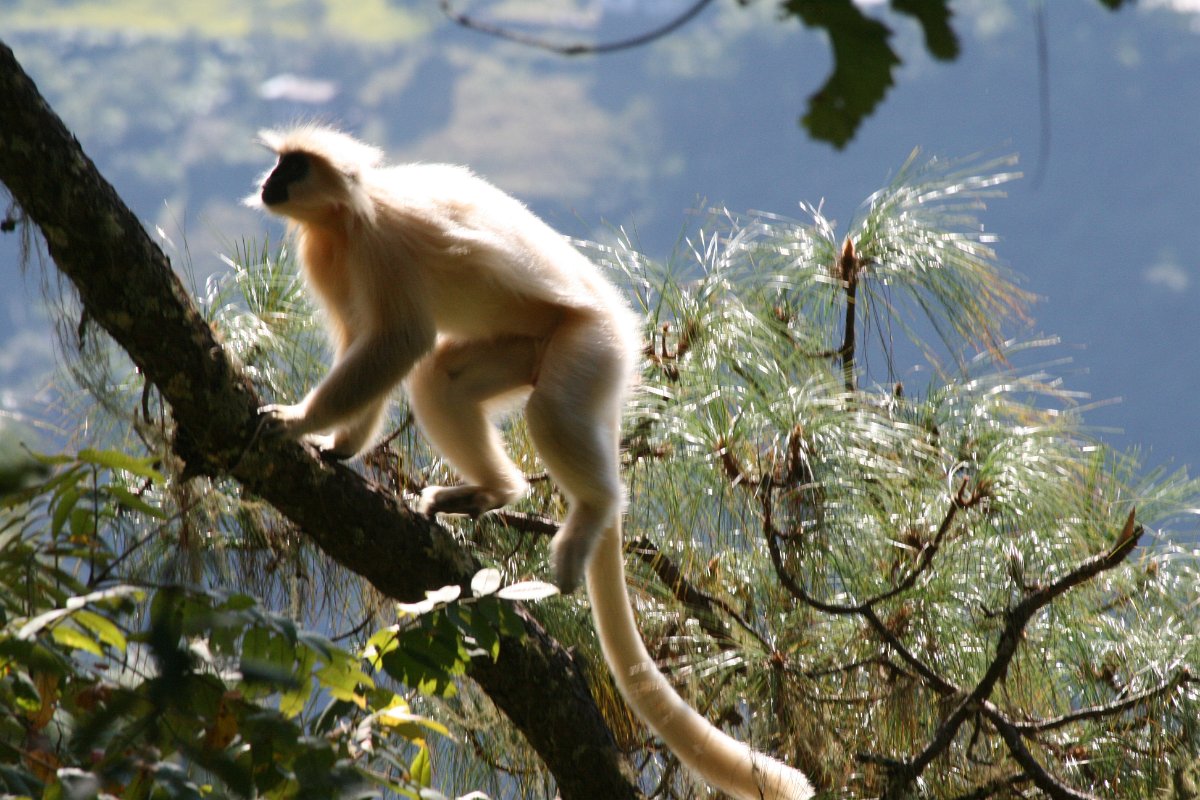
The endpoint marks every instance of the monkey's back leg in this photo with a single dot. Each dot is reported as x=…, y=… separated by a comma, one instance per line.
x=574, y=417
x=453, y=393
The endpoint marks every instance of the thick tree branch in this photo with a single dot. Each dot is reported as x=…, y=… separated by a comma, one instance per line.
x=127, y=286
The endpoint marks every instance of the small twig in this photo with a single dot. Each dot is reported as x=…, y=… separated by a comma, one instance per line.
x=1109, y=710
x=527, y=523
x=578, y=48
x=994, y=787
x=961, y=500
x=357, y=629
x=685, y=592
x=848, y=266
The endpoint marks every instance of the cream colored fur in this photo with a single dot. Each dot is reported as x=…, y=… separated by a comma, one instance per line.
x=432, y=276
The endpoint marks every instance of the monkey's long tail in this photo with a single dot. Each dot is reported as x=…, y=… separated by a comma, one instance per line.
x=724, y=762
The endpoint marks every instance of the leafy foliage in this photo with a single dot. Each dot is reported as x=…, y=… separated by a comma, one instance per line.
x=108, y=684
x=959, y=583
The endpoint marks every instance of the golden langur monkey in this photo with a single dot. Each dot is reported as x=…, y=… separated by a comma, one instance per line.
x=432, y=276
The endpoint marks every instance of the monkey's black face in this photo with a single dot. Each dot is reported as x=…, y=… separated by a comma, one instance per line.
x=292, y=167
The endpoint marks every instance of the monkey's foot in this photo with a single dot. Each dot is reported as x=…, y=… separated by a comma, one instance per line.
x=467, y=500
x=569, y=558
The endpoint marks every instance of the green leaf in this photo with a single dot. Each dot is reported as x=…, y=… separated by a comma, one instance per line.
x=401, y=717
x=502, y=617
x=73, y=638
x=132, y=501
x=104, y=629
x=475, y=627
x=73, y=604
x=292, y=702
x=344, y=678
x=862, y=68
x=64, y=504
x=382, y=642
x=934, y=16
x=122, y=462
x=421, y=767
x=421, y=671
x=83, y=523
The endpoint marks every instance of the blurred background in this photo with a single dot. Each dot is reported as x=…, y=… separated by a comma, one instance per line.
x=167, y=96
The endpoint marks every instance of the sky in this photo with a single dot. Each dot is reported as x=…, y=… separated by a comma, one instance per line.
x=1103, y=227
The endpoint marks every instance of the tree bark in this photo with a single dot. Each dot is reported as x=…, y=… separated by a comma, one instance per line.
x=127, y=286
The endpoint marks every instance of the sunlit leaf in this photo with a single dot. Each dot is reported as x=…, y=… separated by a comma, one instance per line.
x=528, y=591
x=64, y=504
x=421, y=767
x=102, y=627
x=485, y=582
x=117, y=460
x=132, y=501
x=71, y=637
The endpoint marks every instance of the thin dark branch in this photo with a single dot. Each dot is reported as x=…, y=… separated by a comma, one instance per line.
x=686, y=592
x=961, y=500
x=902, y=774
x=994, y=787
x=357, y=629
x=873, y=661
x=1010, y=638
x=578, y=48
x=1108, y=710
x=848, y=269
x=936, y=681
x=1043, y=63
x=526, y=523
x=1037, y=773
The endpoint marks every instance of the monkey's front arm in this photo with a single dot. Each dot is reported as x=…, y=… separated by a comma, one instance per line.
x=341, y=414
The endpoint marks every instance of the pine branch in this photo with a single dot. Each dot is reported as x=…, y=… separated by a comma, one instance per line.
x=1108, y=709
x=1018, y=619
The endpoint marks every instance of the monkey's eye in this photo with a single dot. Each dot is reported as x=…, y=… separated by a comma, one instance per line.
x=292, y=167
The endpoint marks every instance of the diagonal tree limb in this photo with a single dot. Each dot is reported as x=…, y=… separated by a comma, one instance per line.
x=1017, y=619
x=127, y=286
x=1041, y=778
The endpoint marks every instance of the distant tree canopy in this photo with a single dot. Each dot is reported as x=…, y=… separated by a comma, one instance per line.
x=864, y=60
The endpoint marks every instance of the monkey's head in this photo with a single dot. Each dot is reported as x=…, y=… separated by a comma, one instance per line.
x=318, y=177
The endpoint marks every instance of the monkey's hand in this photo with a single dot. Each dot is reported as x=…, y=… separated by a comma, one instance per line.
x=281, y=421
x=287, y=422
